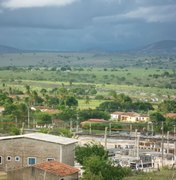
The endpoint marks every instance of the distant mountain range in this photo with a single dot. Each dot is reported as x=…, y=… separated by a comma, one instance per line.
x=161, y=47
x=8, y=49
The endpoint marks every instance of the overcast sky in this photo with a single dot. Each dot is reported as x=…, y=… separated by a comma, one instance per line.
x=74, y=25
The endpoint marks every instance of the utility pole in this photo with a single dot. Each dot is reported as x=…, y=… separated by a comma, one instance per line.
x=148, y=129
x=77, y=127
x=152, y=129
x=77, y=123
x=34, y=125
x=109, y=128
x=105, y=137
x=174, y=143
x=137, y=143
x=22, y=128
x=167, y=142
x=28, y=115
x=162, y=144
x=16, y=121
x=138, y=136
x=44, y=175
x=90, y=128
x=131, y=128
x=71, y=124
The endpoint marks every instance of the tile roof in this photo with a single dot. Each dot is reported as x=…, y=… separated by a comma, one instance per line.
x=171, y=115
x=57, y=168
x=126, y=114
x=44, y=137
x=95, y=121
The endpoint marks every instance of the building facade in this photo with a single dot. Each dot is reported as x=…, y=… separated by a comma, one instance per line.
x=129, y=117
x=29, y=149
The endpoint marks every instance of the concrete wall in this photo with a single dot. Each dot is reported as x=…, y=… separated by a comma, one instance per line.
x=68, y=154
x=31, y=173
x=24, y=148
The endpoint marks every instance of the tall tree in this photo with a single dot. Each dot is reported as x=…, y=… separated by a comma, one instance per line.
x=167, y=106
x=28, y=89
x=90, y=149
x=94, y=159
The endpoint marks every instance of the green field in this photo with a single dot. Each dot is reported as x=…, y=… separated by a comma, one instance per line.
x=140, y=76
x=96, y=59
x=142, y=84
x=159, y=175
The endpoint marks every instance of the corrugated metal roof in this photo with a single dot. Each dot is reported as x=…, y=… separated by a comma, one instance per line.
x=43, y=137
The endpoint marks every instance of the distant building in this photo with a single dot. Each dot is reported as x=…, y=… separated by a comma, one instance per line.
x=1, y=109
x=171, y=115
x=51, y=170
x=58, y=123
x=129, y=117
x=95, y=121
x=44, y=109
x=29, y=149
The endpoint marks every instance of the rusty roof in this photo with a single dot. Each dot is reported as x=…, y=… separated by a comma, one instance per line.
x=171, y=115
x=126, y=113
x=57, y=168
x=95, y=121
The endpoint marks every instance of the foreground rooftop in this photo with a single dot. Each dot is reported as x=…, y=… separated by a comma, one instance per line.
x=43, y=137
x=57, y=168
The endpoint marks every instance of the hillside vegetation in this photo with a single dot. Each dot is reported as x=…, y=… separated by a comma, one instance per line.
x=117, y=60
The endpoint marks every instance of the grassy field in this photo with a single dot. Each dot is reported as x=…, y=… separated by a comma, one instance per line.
x=130, y=76
x=92, y=104
x=38, y=79
x=144, y=77
x=159, y=175
x=90, y=59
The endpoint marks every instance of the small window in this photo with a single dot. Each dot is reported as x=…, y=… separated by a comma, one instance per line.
x=50, y=159
x=9, y=158
x=17, y=158
x=31, y=160
x=0, y=159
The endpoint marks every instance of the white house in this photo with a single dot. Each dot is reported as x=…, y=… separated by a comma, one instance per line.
x=129, y=117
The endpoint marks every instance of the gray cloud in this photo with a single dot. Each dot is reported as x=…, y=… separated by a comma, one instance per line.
x=16, y=4
x=86, y=24
x=148, y=14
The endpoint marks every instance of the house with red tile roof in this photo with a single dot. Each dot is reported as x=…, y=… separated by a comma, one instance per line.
x=171, y=115
x=51, y=170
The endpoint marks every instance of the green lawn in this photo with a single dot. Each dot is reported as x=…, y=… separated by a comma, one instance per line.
x=159, y=175
x=92, y=104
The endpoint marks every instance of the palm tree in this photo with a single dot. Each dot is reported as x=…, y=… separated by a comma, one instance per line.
x=43, y=92
x=28, y=89
x=87, y=99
